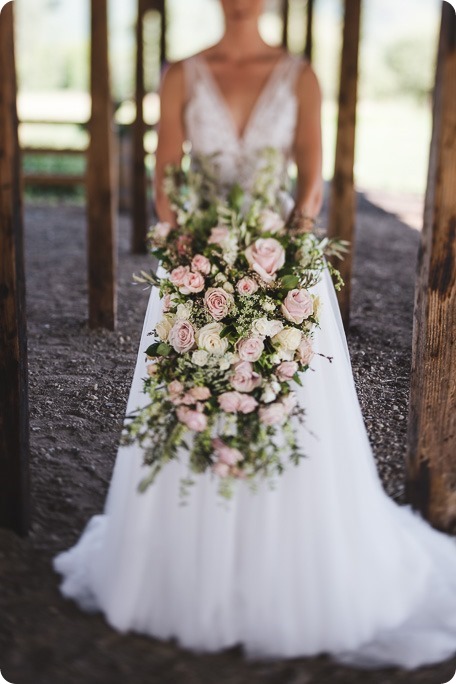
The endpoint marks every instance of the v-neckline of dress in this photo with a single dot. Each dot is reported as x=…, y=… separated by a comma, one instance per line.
x=241, y=136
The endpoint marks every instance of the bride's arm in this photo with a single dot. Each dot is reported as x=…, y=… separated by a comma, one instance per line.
x=307, y=147
x=170, y=135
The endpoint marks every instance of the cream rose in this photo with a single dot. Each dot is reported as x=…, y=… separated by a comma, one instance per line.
x=266, y=328
x=164, y=326
x=287, y=339
x=209, y=339
x=297, y=305
x=218, y=302
x=266, y=256
x=200, y=357
x=182, y=336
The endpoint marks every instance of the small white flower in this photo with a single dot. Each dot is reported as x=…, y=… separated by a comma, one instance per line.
x=214, y=269
x=268, y=305
x=224, y=364
x=200, y=357
x=228, y=287
x=276, y=359
x=220, y=278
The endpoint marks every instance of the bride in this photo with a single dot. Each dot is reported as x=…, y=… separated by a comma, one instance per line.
x=324, y=562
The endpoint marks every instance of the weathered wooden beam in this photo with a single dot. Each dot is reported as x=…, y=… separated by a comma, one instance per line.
x=139, y=183
x=342, y=203
x=431, y=457
x=14, y=412
x=285, y=18
x=101, y=180
x=309, y=30
x=163, y=32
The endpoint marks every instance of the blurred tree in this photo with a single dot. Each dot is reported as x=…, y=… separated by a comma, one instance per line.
x=411, y=61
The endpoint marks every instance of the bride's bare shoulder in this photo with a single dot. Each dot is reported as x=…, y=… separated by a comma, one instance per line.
x=308, y=86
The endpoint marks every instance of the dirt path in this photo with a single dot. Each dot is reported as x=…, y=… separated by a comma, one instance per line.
x=79, y=382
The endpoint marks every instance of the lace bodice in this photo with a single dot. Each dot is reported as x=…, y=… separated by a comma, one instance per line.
x=211, y=129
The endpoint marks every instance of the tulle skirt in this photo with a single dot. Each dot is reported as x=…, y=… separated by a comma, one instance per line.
x=321, y=562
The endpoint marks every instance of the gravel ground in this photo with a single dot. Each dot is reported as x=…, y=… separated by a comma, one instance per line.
x=79, y=380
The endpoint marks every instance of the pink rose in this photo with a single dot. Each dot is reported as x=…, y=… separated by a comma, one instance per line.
x=194, y=420
x=218, y=235
x=305, y=352
x=221, y=469
x=297, y=305
x=182, y=336
x=183, y=243
x=229, y=401
x=166, y=303
x=244, y=378
x=202, y=264
x=152, y=369
x=286, y=370
x=178, y=274
x=218, y=302
x=246, y=286
x=232, y=402
x=226, y=454
x=271, y=222
x=266, y=256
x=191, y=283
x=273, y=414
x=175, y=387
x=200, y=393
x=247, y=403
x=250, y=348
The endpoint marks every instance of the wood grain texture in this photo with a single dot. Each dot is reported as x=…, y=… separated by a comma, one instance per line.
x=139, y=182
x=14, y=413
x=101, y=180
x=309, y=30
x=342, y=202
x=431, y=457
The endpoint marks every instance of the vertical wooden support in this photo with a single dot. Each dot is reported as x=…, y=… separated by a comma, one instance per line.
x=431, y=458
x=163, y=30
x=14, y=414
x=342, y=204
x=101, y=181
x=285, y=18
x=309, y=31
x=139, y=195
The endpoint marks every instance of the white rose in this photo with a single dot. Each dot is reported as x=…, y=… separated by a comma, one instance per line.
x=224, y=364
x=164, y=326
x=209, y=339
x=287, y=339
x=266, y=328
x=183, y=312
x=268, y=394
x=200, y=357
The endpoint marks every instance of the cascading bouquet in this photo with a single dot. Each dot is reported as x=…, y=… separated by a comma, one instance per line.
x=235, y=332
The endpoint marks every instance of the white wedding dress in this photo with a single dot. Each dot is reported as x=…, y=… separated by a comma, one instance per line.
x=325, y=562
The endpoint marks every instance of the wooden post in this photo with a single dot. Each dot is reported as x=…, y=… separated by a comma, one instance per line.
x=285, y=16
x=309, y=31
x=342, y=204
x=14, y=414
x=163, y=29
x=139, y=198
x=101, y=181
x=431, y=463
